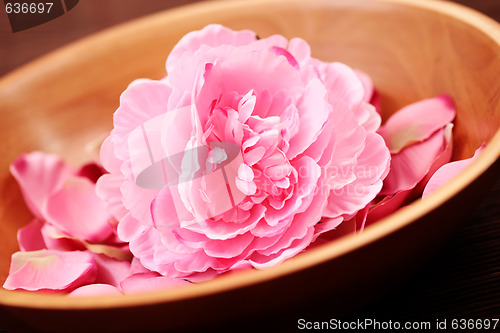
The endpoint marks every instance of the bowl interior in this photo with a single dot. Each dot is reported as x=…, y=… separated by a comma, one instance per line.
x=411, y=49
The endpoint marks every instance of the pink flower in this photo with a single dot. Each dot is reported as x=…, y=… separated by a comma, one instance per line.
x=241, y=157
x=419, y=138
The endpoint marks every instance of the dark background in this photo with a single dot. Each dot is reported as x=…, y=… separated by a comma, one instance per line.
x=461, y=281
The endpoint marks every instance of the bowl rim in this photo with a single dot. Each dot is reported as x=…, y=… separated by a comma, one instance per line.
x=326, y=252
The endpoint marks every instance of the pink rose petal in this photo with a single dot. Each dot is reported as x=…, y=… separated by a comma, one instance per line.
x=50, y=270
x=417, y=122
x=364, y=182
x=108, y=189
x=212, y=35
x=300, y=50
x=118, y=251
x=314, y=98
x=368, y=117
x=38, y=176
x=147, y=282
x=291, y=60
x=30, y=236
x=97, y=289
x=136, y=267
x=328, y=224
x=110, y=271
x=410, y=165
x=143, y=100
x=55, y=239
x=411, y=190
x=449, y=171
x=64, y=210
x=387, y=206
x=441, y=160
x=228, y=248
x=342, y=84
x=107, y=157
x=367, y=83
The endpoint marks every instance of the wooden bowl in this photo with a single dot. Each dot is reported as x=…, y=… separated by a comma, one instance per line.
x=413, y=49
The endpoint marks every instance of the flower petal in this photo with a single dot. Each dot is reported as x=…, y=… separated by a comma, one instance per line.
x=39, y=175
x=141, y=101
x=387, y=206
x=342, y=84
x=108, y=189
x=129, y=228
x=228, y=248
x=107, y=156
x=410, y=165
x=349, y=142
x=449, y=171
x=417, y=122
x=64, y=210
x=212, y=35
x=300, y=50
x=314, y=111
x=147, y=282
x=443, y=158
x=367, y=83
x=96, y=289
x=110, y=271
x=56, y=240
x=30, y=237
x=372, y=167
x=368, y=117
x=50, y=270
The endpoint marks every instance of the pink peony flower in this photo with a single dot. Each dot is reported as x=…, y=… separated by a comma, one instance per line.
x=245, y=154
x=241, y=157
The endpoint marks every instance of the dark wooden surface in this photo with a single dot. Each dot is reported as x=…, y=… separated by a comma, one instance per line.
x=461, y=281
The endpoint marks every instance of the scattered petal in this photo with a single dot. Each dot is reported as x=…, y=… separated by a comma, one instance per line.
x=109, y=270
x=417, y=122
x=64, y=210
x=50, y=270
x=148, y=282
x=30, y=236
x=39, y=175
x=96, y=289
x=449, y=171
x=410, y=165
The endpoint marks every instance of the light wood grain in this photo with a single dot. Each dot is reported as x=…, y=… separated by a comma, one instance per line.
x=412, y=49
